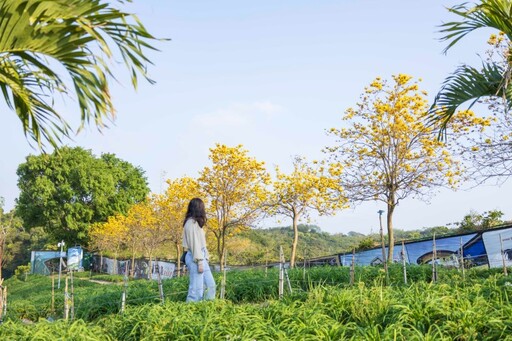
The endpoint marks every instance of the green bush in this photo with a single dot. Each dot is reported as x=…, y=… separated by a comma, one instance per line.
x=22, y=271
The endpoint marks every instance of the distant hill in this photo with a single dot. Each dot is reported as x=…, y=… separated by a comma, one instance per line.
x=257, y=246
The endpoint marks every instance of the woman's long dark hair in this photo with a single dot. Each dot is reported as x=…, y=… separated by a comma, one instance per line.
x=196, y=211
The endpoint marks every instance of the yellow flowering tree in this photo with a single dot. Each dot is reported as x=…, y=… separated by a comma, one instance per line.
x=172, y=207
x=109, y=237
x=136, y=220
x=235, y=190
x=386, y=151
x=154, y=231
x=306, y=189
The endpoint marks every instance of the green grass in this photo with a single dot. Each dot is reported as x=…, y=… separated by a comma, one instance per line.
x=323, y=306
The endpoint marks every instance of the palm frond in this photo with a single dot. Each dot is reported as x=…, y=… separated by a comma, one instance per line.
x=488, y=14
x=38, y=118
x=43, y=37
x=468, y=84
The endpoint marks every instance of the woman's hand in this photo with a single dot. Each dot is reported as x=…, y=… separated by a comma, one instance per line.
x=200, y=266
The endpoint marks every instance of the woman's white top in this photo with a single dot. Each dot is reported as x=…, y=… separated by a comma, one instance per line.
x=194, y=240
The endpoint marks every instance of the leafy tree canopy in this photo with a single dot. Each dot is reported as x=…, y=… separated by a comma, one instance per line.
x=67, y=191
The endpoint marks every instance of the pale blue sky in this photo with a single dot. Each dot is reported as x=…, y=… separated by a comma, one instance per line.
x=272, y=76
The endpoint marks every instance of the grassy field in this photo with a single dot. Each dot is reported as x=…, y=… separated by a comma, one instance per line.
x=322, y=306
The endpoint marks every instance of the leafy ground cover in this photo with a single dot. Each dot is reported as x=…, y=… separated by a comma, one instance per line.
x=322, y=306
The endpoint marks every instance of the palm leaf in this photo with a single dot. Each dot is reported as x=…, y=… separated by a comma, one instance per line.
x=489, y=14
x=40, y=38
x=468, y=84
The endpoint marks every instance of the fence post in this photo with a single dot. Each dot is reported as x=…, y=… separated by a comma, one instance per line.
x=288, y=280
x=4, y=302
x=281, y=272
x=72, y=295
x=304, y=270
x=66, y=300
x=53, y=296
x=285, y=271
x=505, y=272
x=404, y=265
x=352, y=267
x=1, y=299
x=462, y=260
x=223, y=283
x=125, y=287
x=434, y=258
x=160, y=286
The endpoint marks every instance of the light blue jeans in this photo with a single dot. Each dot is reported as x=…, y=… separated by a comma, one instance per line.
x=201, y=286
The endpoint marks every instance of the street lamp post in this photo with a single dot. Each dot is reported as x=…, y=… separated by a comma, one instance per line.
x=384, y=258
x=61, y=245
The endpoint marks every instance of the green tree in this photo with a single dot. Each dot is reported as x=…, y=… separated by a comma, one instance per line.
x=50, y=47
x=474, y=221
x=492, y=218
x=67, y=191
x=367, y=243
x=16, y=242
x=439, y=231
x=471, y=221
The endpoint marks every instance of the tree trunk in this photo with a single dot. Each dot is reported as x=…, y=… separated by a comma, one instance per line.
x=222, y=248
x=150, y=268
x=391, y=236
x=295, y=239
x=114, y=270
x=132, y=265
x=101, y=262
x=178, y=257
x=2, y=249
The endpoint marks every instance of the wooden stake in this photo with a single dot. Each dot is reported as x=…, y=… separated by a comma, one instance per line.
x=434, y=258
x=1, y=299
x=288, y=280
x=4, y=302
x=72, y=295
x=281, y=272
x=462, y=260
x=125, y=288
x=404, y=265
x=66, y=301
x=353, y=267
x=304, y=270
x=160, y=286
x=505, y=271
x=53, y=296
x=223, y=283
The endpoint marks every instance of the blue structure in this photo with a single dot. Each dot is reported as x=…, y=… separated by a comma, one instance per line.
x=490, y=247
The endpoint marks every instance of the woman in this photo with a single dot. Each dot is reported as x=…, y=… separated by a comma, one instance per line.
x=197, y=256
